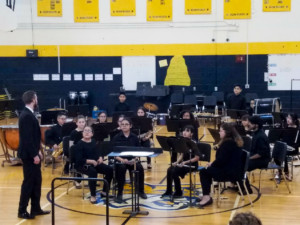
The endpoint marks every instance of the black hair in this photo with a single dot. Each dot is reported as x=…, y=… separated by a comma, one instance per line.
x=142, y=108
x=122, y=93
x=61, y=114
x=28, y=96
x=189, y=128
x=256, y=120
x=237, y=85
x=245, y=117
x=80, y=117
x=101, y=113
x=294, y=117
x=127, y=119
x=186, y=111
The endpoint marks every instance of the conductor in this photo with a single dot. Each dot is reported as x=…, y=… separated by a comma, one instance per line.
x=30, y=139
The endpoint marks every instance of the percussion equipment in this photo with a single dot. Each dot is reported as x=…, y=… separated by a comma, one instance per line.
x=162, y=118
x=43, y=129
x=83, y=96
x=267, y=105
x=73, y=96
x=9, y=138
x=150, y=106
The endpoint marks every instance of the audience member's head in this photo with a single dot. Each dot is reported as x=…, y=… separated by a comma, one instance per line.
x=246, y=218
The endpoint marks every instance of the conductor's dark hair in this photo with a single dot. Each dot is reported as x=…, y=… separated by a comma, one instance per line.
x=246, y=218
x=28, y=96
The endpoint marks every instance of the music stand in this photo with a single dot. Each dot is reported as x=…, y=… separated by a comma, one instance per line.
x=67, y=128
x=50, y=117
x=236, y=114
x=275, y=135
x=75, y=110
x=118, y=150
x=167, y=144
x=215, y=135
x=178, y=108
x=102, y=131
x=175, y=125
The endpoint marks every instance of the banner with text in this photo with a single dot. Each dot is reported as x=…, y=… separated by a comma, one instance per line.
x=49, y=8
x=194, y=7
x=159, y=10
x=237, y=9
x=276, y=5
x=86, y=11
x=122, y=7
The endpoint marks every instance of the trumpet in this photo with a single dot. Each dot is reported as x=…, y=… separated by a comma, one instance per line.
x=57, y=152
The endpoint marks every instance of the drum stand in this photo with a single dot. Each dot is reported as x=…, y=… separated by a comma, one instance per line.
x=135, y=203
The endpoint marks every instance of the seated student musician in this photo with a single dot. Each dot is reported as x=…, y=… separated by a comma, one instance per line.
x=260, y=147
x=90, y=163
x=122, y=106
x=102, y=117
x=227, y=163
x=54, y=137
x=178, y=169
x=127, y=138
x=251, y=109
x=117, y=130
x=75, y=137
x=236, y=100
x=292, y=123
x=145, y=135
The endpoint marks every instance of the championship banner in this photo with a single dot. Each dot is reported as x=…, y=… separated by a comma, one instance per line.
x=159, y=10
x=237, y=9
x=86, y=11
x=49, y=8
x=197, y=7
x=122, y=7
x=276, y=5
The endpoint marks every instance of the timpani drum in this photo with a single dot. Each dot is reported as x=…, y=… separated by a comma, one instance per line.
x=10, y=134
x=267, y=105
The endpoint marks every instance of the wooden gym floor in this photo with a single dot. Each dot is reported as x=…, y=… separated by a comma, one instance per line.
x=274, y=206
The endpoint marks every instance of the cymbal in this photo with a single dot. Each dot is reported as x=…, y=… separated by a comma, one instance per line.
x=150, y=106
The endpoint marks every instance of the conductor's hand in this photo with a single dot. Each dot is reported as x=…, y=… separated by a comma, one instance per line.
x=100, y=160
x=36, y=160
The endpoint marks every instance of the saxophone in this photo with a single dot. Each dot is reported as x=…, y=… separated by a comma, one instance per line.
x=57, y=152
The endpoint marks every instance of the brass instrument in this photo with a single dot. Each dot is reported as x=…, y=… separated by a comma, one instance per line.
x=146, y=135
x=57, y=152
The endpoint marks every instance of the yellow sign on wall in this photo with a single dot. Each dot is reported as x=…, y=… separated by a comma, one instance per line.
x=122, y=7
x=86, y=11
x=276, y=5
x=49, y=8
x=237, y=9
x=194, y=7
x=177, y=73
x=159, y=10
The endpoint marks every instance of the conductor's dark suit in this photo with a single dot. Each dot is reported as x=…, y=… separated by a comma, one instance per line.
x=30, y=138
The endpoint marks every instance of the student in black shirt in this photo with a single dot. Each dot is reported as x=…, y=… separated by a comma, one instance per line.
x=127, y=138
x=76, y=135
x=227, y=164
x=102, y=117
x=145, y=135
x=54, y=136
x=178, y=169
x=236, y=100
x=122, y=106
x=90, y=163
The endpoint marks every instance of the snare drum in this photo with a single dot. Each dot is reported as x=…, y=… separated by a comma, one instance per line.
x=162, y=118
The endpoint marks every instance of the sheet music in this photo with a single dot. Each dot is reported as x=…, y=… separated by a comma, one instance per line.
x=136, y=154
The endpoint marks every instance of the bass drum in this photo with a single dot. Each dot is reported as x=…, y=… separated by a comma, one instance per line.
x=162, y=118
x=267, y=105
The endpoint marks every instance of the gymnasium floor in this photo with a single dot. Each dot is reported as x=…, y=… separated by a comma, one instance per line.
x=274, y=206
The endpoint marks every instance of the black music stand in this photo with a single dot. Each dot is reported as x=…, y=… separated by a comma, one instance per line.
x=167, y=144
x=75, y=110
x=236, y=114
x=142, y=124
x=50, y=117
x=67, y=128
x=135, y=206
x=176, y=109
x=275, y=135
x=102, y=131
x=215, y=135
x=175, y=125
